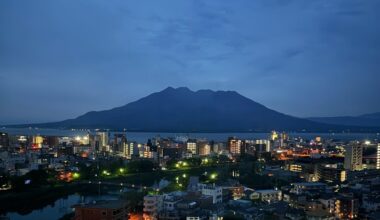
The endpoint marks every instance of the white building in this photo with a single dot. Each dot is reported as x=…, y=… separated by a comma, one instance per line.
x=378, y=157
x=191, y=146
x=353, y=157
x=267, y=195
x=131, y=149
x=153, y=204
x=170, y=202
x=211, y=190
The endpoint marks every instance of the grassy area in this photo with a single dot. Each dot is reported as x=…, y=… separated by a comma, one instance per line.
x=149, y=178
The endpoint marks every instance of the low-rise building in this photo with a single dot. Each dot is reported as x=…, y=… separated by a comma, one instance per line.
x=102, y=210
x=299, y=188
x=153, y=204
x=211, y=190
x=268, y=195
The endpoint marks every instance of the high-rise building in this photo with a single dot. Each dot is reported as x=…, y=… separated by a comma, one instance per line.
x=353, y=156
x=234, y=145
x=249, y=147
x=4, y=140
x=50, y=141
x=274, y=136
x=331, y=173
x=99, y=141
x=119, y=141
x=378, y=156
x=103, y=139
x=217, y=147
x=346, y=207
x=204, y=149
x=263, y=146
x=37, y=141
x=191, y=146
x=131, y=150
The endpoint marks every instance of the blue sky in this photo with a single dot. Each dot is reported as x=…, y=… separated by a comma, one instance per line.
x=60, y=59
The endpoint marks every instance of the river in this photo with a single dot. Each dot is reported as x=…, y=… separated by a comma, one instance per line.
x=60, y=207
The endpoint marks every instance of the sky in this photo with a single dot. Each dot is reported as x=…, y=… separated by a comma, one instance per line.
x=60, y=59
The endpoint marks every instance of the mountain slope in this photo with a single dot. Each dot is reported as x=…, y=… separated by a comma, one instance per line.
x=367, y=120
x=182, y=110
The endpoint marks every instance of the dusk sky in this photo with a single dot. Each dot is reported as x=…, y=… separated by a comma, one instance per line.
x=60, y=59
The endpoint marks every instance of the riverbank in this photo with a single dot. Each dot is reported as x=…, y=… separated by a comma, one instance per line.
x=38, y=198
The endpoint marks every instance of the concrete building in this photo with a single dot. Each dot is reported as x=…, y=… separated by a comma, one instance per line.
x=263, y=146
x=131, y=150
x=378, y=157
x=119, y=141
x=267, y=195
x=204, y=149
x=331, y=173
x=170, y=202
x=102, y=210
x=153, y=204
x=4, y=140
x=346, y=207
x=299, y=188
x=353, y=157
x=234, y=146
x=101, y=141
x=37, y=141
x=191, y=146
x=211, y=190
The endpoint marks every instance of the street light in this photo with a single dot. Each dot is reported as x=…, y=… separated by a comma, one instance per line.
x=76, y=175
x=213, y=176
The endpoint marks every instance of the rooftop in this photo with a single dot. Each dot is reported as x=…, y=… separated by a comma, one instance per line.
x=103, y=204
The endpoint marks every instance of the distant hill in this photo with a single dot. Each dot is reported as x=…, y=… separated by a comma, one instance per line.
x=367, y=120
x=183, y=110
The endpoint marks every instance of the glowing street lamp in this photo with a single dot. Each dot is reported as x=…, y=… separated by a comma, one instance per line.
x=213, y=176
x=76, y=175
x=205, y=161
x=105, y=172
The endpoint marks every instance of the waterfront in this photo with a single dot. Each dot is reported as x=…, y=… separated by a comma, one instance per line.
x=142, y=137
x=59, y=208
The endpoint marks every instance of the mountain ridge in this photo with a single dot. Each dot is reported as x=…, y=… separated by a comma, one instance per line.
x=183, y=110
x=365, y=120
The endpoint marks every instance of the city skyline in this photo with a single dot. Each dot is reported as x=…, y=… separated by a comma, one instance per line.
x=189, y=109
x=302, y=58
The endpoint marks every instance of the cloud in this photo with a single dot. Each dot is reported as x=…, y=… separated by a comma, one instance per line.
x=78, y=56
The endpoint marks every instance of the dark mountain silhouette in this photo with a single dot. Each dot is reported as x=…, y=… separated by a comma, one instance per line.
x=183, y=110
x=367, y=120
